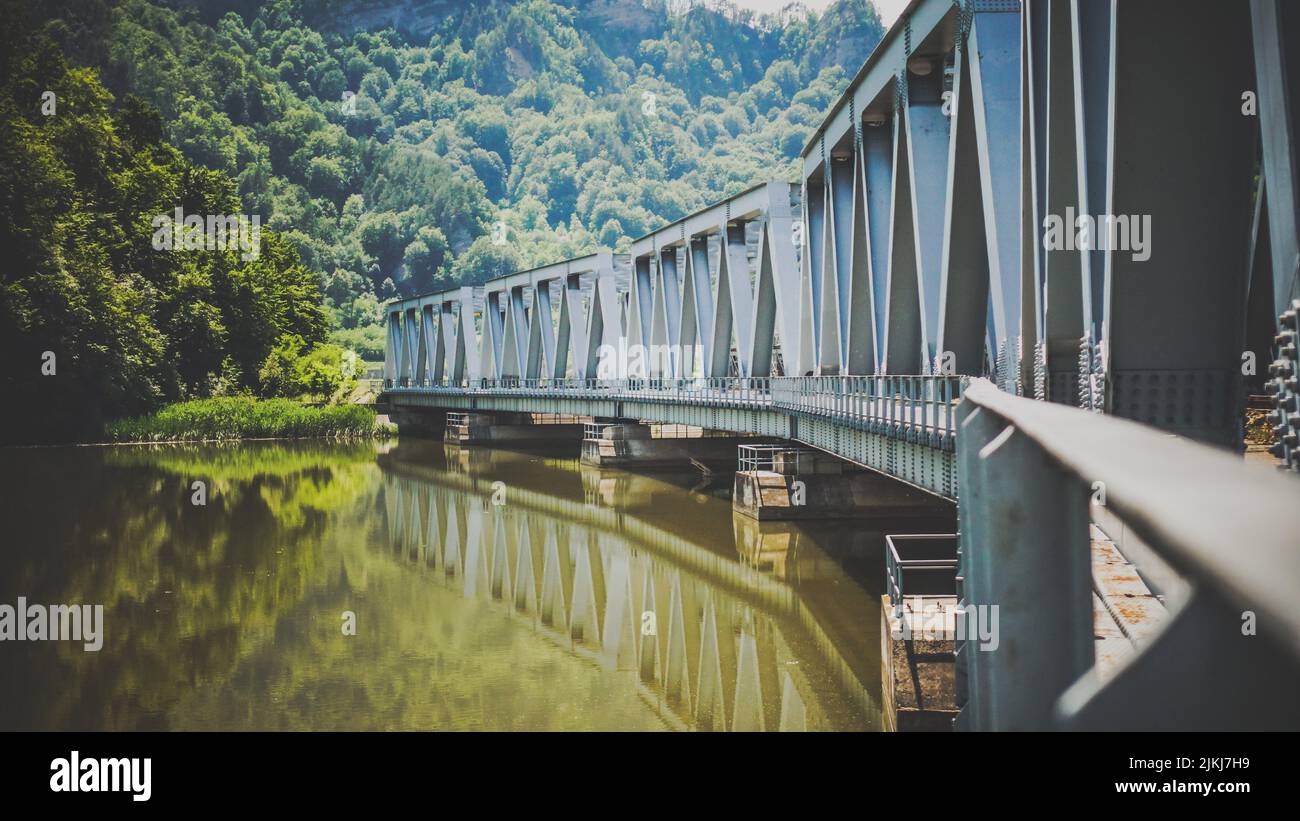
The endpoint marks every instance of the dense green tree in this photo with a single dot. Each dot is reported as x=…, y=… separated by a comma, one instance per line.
x=99, y=316
x=392, y=155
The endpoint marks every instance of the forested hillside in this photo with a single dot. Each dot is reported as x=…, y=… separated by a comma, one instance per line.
x=391, y=147
x=95, y=321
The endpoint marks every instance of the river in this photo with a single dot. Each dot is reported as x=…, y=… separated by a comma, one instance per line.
x=411, y=585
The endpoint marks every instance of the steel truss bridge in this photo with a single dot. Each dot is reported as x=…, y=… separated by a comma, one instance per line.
x=1015, y=207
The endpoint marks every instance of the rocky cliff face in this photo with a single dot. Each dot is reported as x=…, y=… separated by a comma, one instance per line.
x=417, y=18
x=843, y=35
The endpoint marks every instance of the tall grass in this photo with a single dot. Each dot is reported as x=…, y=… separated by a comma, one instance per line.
x=244, y=418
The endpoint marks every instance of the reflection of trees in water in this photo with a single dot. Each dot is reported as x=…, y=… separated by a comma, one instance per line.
x=231, y=620
x=185, y=589
x=423, y=657
x=228, y=616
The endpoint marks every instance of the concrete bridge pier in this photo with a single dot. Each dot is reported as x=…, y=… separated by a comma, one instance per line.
x=416, y=422
x=512, y=429
x=781, y=483
x=649, y=446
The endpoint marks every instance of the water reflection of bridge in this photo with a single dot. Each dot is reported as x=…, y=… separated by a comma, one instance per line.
x=714, y=642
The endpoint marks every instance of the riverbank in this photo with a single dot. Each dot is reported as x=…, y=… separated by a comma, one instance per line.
x=235, y=418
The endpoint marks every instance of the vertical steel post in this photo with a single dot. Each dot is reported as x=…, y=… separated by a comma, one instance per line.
x=978, y=428
x=1032, y=563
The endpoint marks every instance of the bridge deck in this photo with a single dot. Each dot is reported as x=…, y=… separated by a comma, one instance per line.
x=902, y=426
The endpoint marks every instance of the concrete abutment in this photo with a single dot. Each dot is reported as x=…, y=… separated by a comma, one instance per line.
x=652, y=446
x=795, y=484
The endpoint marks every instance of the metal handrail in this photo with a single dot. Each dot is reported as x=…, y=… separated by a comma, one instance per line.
x=921, y=404
x=763, y=457
x=1173, y=494
x=895, y=564
x=747, y=391
x=1028, y=471
x=921, y=407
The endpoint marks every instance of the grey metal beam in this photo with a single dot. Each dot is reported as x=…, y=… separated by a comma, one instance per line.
x=392, y=350
x=1275, y=29
x=640, y=316
x=410, y=342
x=927, y=141
x=815, y=245
x=566, y=329
x=467, y=359
x=667, y=313
x=1173, y=323
x=734, y=260
x=697, y=306
x=515, y=340
x=962, y=331
x=605, y=326
x=1063, y=263
x=541, y=332
x=571, y=341
x=765, y=309
x=445, y=333
x=723, y=321
x=994, y=49
x=918, y=21
x=838, y=268
x=860, y=330
x=428, y=344
x=779, y=269
x=492, y=350
x=878, y=167
x=547, y=273
x=1033, y=195
x=1093, y=80
x=903, y=314
x=749, y=204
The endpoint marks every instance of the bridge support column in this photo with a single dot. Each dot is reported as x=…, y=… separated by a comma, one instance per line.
x=637, y=445
x=512, y=429
x=799, y=484
x=417, y=422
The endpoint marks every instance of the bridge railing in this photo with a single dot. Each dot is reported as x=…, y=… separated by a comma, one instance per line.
x=920, y=407
x=1228, y=655
x=746, y=391
x=915, y=408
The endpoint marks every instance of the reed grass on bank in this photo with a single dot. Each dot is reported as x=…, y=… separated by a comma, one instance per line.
x=242, y=417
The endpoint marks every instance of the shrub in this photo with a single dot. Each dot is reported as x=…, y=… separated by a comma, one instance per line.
x=325, y=373
x=243, y=417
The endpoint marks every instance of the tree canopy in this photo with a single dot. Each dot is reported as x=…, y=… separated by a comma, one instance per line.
x=388, y=149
